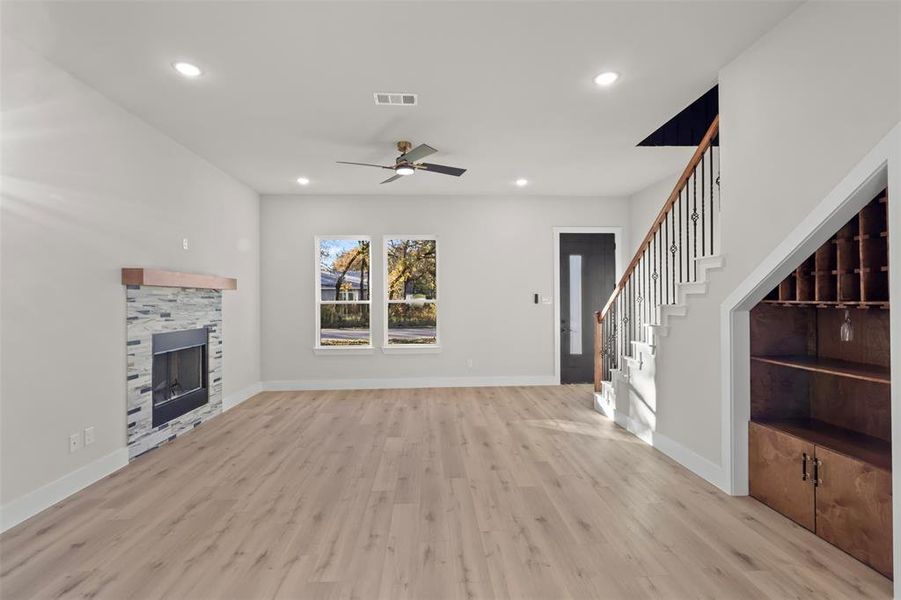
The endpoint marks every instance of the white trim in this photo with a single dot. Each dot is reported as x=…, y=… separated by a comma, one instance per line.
x=24, y=507
x=236, y=398
x=604, y=406
x=342, y=350
x=420, y=348
x=406, y=382
x=412, y=349
x=618, y=262
x=862, y=183
x=317, y=283
x=691, y=460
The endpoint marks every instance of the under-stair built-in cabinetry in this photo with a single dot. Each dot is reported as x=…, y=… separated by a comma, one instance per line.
x=820, y=431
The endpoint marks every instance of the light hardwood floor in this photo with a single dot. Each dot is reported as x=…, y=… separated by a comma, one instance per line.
x=442, y=493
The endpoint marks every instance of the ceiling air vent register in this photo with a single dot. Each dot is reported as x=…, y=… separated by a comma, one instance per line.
x=395, y=99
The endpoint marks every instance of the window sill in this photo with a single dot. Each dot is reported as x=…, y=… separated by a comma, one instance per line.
x=411, y=349
x=342, y=350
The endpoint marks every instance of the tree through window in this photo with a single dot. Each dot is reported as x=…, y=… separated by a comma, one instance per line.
x=343, y=294
x=412, y=291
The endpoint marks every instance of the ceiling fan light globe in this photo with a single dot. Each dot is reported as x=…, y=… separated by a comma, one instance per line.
x=405, y=170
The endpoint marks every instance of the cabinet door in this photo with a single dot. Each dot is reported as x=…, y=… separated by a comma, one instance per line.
x=775, y=468
x=854, y=509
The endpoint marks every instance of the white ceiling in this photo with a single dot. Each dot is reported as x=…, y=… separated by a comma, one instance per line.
x=505, y=88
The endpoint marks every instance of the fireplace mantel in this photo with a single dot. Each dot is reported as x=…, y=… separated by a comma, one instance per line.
x=163, y=278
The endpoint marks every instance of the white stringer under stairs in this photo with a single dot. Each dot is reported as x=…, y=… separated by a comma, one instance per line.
x=671, y=263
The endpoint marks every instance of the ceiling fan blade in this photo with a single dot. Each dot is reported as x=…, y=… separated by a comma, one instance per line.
x=392, y=178
x=344, y=162
x=418, y=153
x=455, y=171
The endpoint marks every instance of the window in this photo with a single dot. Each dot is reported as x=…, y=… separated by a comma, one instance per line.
x=342, y=292
x=411, y=285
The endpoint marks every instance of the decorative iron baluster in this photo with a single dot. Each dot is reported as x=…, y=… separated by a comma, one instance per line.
x=694, y=219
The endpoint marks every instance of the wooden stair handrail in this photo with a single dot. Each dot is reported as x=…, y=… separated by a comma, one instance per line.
x=706, y=141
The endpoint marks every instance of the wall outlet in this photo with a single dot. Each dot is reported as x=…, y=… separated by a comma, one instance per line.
x=74, y=442
x=184, y=243
x=88, y=435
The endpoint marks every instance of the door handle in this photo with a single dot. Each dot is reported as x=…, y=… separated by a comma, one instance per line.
x=804, y=467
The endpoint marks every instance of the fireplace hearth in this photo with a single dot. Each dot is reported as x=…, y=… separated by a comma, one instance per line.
x=179, y=373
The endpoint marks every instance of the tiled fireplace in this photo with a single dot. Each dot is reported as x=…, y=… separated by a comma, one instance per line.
x=174, y=353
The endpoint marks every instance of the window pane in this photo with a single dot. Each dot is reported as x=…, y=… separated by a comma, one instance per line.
x=575, y=304
x=410, y=324
x=344, y=268
x=344, y=325
x=412, y=269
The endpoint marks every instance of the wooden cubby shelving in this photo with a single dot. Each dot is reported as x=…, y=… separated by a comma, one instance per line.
x=820, y=432
x=848, y=271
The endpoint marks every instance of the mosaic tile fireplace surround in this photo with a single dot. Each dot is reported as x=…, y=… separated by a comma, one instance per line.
x=159, y=309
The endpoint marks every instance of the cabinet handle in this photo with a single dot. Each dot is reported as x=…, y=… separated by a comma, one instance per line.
x=804, y=467
x=817, y=470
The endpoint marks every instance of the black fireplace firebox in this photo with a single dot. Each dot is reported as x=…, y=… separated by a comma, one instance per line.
x=180, y=373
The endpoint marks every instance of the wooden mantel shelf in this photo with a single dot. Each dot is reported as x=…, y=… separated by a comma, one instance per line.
x=162, y=278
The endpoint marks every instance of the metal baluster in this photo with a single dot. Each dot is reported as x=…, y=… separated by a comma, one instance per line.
x=694, y=217
x=665, y=272
x=703, y=222
x=679, y=213
x=711, y=199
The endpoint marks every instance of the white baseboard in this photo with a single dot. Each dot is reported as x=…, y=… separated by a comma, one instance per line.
x=24, y=507
x=406, y=382
x=691, y=460
x=236, y=398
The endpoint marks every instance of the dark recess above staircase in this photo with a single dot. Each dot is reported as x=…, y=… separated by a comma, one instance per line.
x=688, y=127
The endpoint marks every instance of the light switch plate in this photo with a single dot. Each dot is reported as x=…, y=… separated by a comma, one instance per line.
x=88, y=435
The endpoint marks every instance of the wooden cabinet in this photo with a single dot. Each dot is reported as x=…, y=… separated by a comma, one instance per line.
x=854, y=508
x=779, y=477
x=820, y=442
x=845, y=500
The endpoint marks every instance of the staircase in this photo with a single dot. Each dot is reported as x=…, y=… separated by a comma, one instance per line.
x=672, y=264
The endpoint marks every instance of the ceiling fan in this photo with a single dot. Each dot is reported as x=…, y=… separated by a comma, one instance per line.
x=408, y=162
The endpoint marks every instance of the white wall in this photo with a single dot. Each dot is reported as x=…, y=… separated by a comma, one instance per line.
x=645, y=205
x=494, y=254
x=798, y=110
x=87, y=188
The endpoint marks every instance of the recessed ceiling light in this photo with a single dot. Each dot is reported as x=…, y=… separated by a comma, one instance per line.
x=303, y=181
x=521, y=182
x=606, y=78
x=187, y=69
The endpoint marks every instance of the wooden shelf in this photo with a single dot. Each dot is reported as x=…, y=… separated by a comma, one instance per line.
x=830, y=366
x=831, y=303
x=162, y=278
x=866, y=448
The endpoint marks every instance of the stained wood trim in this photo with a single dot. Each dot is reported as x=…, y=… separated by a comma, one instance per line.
x=856, y=445
x=884, y=304
x=163, y=278
x=706, y=141
x=829, y=366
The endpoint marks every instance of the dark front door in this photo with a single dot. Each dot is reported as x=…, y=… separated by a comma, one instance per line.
x=587, y=278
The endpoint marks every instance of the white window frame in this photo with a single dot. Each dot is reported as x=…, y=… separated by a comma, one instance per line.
x=410, y=348
x=318, y=348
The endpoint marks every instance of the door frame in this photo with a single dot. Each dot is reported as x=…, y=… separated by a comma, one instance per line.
x=618, y=269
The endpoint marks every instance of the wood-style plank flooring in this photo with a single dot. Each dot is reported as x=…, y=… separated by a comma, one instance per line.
x=439, y=493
